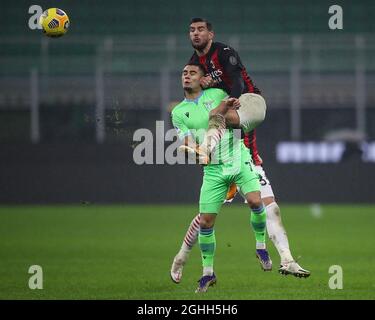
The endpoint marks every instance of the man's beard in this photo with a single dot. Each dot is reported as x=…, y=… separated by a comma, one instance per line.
x=199, y=47
x=188, y=89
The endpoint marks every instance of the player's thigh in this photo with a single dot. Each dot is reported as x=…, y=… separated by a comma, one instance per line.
x=213, y=191
x=265, y=185
x=247, y=180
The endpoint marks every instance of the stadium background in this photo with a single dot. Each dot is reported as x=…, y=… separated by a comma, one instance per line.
x=118, y=69
x=69, y=108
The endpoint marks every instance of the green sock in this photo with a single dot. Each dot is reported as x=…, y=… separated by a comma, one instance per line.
x=207, y=244
x=258, y=222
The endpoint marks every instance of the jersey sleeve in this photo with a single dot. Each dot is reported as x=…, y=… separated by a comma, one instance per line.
x=180, y=126
x=218, y=94
x=232, y=65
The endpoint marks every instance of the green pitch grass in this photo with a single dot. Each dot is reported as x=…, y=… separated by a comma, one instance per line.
x=125, y=252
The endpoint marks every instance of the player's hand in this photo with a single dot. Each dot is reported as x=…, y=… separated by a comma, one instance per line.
x=207, y=82
x=195, y=153
x=233, y=103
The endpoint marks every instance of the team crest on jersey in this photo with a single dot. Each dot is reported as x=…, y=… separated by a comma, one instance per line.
x=208, y=104
x=233, y=60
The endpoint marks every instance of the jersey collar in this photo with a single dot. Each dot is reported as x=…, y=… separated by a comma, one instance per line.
x=210, y=52
x=194, y=100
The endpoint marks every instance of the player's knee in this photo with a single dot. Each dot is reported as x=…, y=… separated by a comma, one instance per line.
x=207, y=220
x=255, y=204
x=273, y=212
x=254, y=200
x=252, y=111
x=274, y=208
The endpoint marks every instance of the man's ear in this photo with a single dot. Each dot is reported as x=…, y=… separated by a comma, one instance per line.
x=211, y=35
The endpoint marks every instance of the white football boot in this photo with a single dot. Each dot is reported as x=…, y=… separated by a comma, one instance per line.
x=295, y=269
x=177, y=267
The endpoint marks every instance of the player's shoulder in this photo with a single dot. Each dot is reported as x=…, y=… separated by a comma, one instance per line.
x=215, y=93
x=224, y=47
x=210, y=91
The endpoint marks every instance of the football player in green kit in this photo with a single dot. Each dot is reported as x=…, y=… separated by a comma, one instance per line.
x=229, y=163
x=224, y=70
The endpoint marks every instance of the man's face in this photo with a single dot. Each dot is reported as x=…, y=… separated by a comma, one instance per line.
x=190, y=78
x=200, y=36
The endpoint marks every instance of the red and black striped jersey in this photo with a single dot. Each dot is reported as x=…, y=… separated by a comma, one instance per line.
x=224, y=65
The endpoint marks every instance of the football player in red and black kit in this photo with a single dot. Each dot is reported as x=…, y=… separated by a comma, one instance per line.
x=225, y=70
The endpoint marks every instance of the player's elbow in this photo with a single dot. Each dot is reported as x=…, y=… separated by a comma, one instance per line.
x=238, y=88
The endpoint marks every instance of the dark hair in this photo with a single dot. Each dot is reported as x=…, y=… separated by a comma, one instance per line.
x=208, y=24
x=200, y=66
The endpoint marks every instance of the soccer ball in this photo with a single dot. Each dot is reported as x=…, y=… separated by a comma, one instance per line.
x=54, y=22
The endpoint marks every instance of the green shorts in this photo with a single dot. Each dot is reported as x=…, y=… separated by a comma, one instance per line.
x=217, y=179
